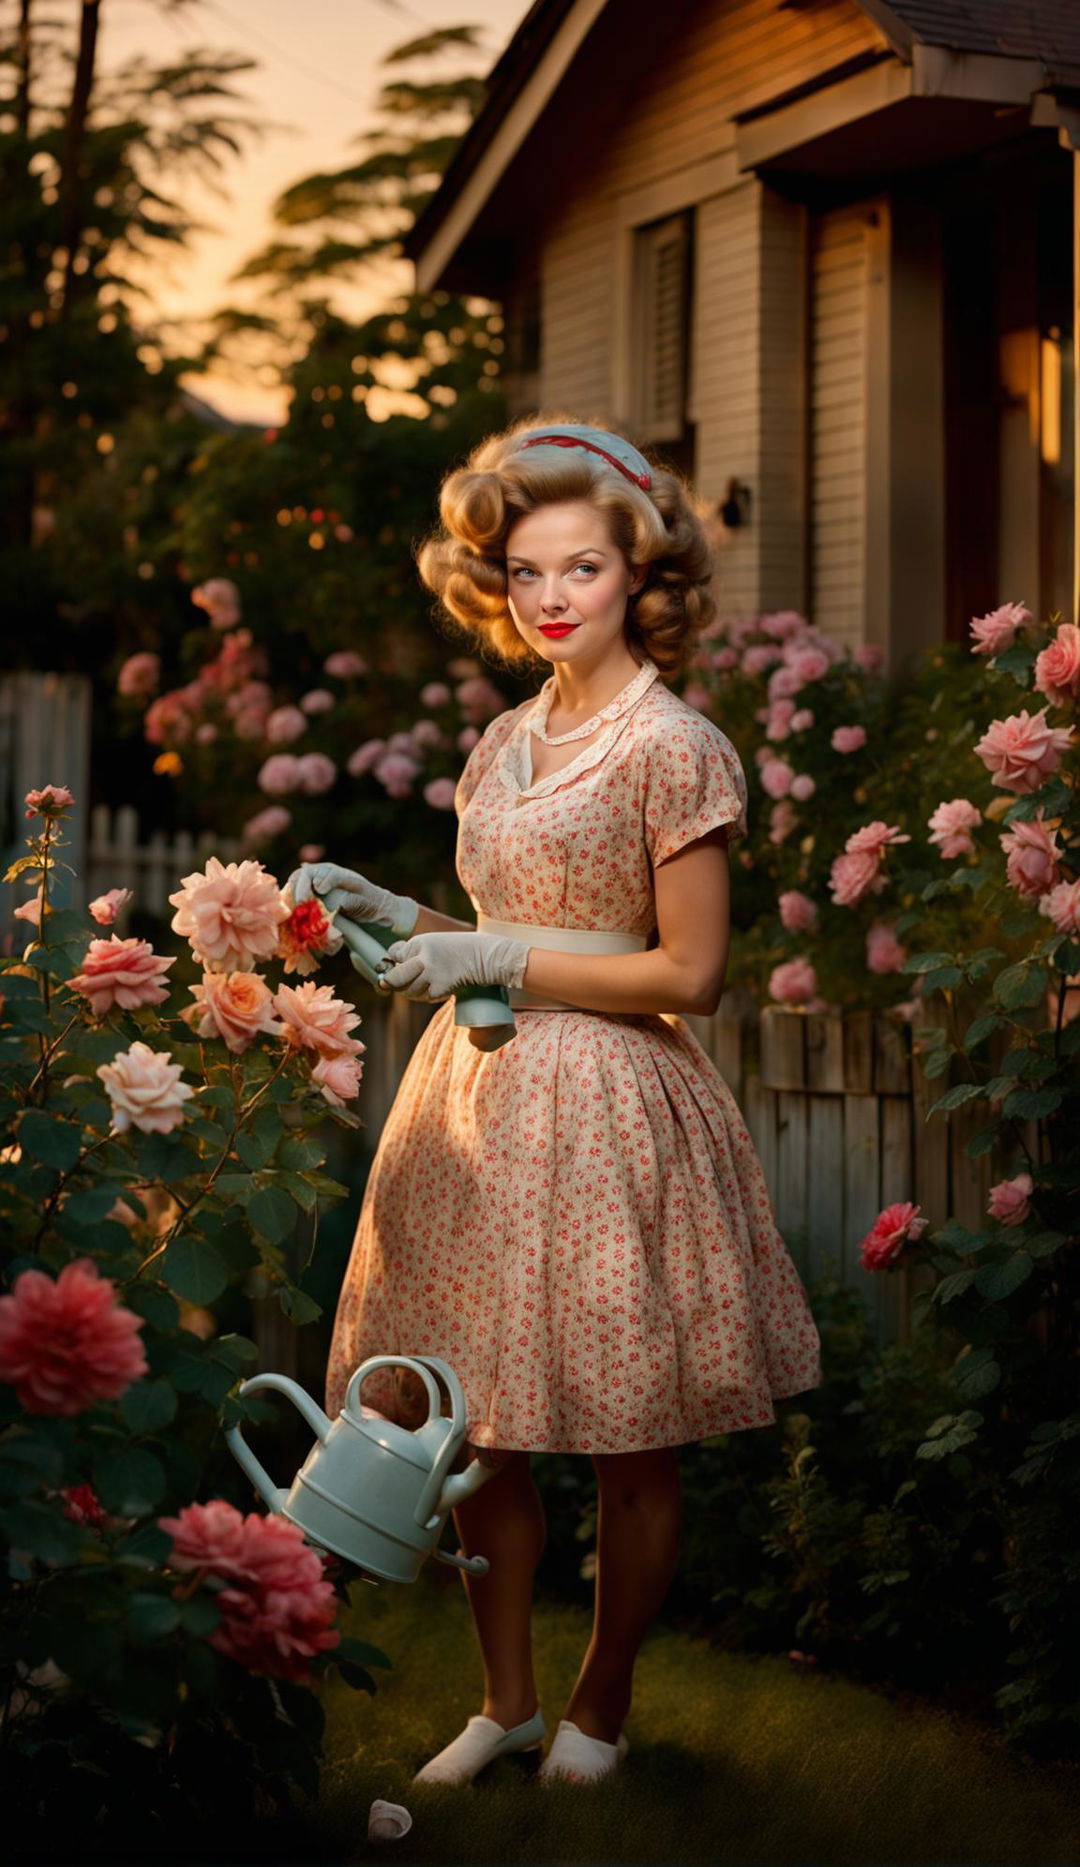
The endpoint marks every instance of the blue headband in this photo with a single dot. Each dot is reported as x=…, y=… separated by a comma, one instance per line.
x=618, y=453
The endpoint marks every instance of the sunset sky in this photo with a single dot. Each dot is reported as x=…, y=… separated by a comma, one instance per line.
x=317, y=79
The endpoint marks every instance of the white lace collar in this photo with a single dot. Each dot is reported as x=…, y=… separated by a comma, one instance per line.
x=515, y=766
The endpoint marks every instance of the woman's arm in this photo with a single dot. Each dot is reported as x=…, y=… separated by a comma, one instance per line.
x=684, y=973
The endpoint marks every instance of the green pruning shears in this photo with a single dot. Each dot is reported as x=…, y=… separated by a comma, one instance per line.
x=479, y=1007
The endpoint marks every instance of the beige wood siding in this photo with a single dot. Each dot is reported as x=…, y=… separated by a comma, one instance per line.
x=839, y=292
x=727, y=340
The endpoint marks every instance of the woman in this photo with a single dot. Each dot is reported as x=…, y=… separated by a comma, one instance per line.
x=577, y=1221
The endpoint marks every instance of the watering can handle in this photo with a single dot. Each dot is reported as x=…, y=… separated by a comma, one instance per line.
x=270, y=1493
x=352, y=1392
x=433, y=1502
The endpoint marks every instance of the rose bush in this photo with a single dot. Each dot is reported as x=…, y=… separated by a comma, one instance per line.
x=152, y=1671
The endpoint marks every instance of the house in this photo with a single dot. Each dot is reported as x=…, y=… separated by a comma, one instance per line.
x=819, y=254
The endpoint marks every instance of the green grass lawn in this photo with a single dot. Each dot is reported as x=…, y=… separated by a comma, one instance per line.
x=733, y=1758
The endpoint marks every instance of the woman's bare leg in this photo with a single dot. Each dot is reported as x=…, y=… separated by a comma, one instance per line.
x=638, y=1529
x=504, y=1521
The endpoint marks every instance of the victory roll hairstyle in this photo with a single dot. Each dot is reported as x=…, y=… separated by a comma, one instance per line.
x=465, y=563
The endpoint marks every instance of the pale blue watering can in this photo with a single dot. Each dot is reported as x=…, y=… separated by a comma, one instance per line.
x=484, y=1009
x=369, y=1490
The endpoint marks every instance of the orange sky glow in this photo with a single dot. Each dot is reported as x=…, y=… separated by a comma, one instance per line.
x=316, y=83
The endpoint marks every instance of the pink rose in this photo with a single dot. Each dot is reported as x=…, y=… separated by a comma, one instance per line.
x=889, y=1233
x=802, y=787
x=169, y=718
x=853, y=877
x=874, y=838
x=802, y=720
x=1062, y=905
x=50, y=800
x=782, y=821
x=266, y=823
x=1057, y=668
x=1010, y=1200
x=344, y=664
x=338, y=1078
x=277, y=1608
x=279, y=774
x=221, y=599
x=782, y=683
x=479, y=700
x=758, y=657
x=1022, y=752
x=793, y=983
x=230, y=914
x=440, y=793
x=848, y=738
x=883, y=950
x=1032, y=858
x=252, y=698
x=724, y=659
x=427, y=733
x=315, y=772
x=778, y=719
x=66, y=1344
x=776, y=777
x=951, y=826
x=315, y=1020
x=869, y=657
x=284, y=725
x=993, y=634
x=237, y=1007
x=107, y=908
x=365, y=757
x=139, y=675
x=798, y=914
x=466, y=739
x=145, y=1090
x=809, y=664
x=119, y=972
x=435, y=694
x=312, y=852
x=31, y=910
x=395, y=771
x=697, y=696
x=206, y=734
x=319, y=700
x=783, y=624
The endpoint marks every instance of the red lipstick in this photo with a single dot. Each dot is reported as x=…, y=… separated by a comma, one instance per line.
x=556, y=628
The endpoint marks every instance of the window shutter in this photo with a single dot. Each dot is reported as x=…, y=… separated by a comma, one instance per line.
x=663, y=305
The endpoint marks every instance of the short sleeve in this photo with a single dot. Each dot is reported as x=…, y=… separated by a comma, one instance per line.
x=694, y=783
x=482, y=756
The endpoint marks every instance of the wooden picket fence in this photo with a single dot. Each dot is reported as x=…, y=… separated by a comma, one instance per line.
x=117, y=858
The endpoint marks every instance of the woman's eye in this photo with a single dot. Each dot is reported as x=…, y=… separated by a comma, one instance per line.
x=523, y=570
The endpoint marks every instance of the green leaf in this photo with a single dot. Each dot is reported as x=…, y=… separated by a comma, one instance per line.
x=954, y=1285
x=50, y=1139
x=300, y=1151
x=153, y=1301
x=238, y=1350
x=1043, y=1243
x=89, y=1205
x=195, y=1269
x=955, y=1097
x=1004, y=1275
x=1032, y=1104
x=927, y=962
x=252, y=1149
x=1017, y=661
x=149, y=1405
x=983, y=1140
x=981, y=1027
x=975, y=1374
x=152, y=1617
x=937, y=1062
x=297, y=1304
x=165, y=1157
x=355, y=1676
x=978, y=962
x=43, y=1530
x=360, y=1653
x=129, y=1482
x=147, y=1547
x=200, y=1615
x=1020, y=985
x=272, y=1213
x=325, y=1187
x=942, y=979
x=297, y=1187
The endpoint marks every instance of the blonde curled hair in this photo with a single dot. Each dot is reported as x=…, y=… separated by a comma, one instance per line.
x=465, y=562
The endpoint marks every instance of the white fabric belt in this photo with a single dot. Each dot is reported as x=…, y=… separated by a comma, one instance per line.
x=558, y=940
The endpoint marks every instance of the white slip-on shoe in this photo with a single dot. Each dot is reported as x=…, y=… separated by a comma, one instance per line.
x=579, y=1758
x=478, y=1744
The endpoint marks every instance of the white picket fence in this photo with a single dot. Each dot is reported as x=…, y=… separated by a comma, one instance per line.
x=116, y=858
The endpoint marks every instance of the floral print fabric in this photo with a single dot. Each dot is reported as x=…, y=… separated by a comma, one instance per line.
x=578, y=1222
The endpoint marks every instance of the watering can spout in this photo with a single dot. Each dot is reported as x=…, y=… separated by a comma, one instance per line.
x=461, y=1485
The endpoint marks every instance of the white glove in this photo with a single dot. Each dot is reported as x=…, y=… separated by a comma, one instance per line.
x=432, y=965
x=361, y=900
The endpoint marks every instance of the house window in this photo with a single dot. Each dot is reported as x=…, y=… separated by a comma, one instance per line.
x=663, y=295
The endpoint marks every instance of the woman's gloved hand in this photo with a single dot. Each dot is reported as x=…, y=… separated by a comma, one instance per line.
x=361, y=900
x=432, y=965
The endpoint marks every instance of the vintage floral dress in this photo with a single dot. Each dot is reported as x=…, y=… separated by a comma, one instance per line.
x=578, y=1221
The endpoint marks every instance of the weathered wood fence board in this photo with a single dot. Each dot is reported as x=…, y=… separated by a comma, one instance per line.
x=44, y=739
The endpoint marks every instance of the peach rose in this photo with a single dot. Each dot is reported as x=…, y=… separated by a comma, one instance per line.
x=951, y=825
x=127, y=973
x=238, y=1007
x=993, y=634
x=139, y=675
x=1022, y=752
x=854, y=876
x=315, y=1020
x=338, y=1078
x=230, y=914
x=51, y=799
x=1010, y=1200
x=1057, y=668
x=145, y=1090
x=1032, y=858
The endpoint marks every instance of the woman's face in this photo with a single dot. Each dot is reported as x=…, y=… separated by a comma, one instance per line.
x=563, y=567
